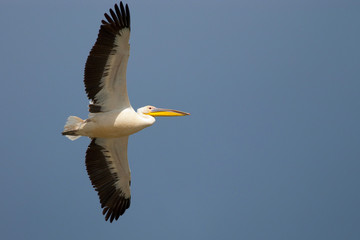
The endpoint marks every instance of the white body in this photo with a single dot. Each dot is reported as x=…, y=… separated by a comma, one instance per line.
x=115, y=124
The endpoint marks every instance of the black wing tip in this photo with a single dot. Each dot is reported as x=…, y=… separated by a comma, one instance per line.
x=117, y=210
x=118, y=19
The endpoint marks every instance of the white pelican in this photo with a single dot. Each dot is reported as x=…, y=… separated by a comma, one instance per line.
x=111, y=118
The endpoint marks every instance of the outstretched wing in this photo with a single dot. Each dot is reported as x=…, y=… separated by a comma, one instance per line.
x=105, y=69
x=109, y=172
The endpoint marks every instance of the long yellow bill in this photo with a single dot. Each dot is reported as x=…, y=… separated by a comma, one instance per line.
x=161, y=112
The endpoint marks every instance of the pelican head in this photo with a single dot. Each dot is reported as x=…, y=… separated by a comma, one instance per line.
x=161, y=112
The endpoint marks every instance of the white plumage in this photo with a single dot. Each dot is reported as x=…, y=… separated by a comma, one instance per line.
x=111, y=119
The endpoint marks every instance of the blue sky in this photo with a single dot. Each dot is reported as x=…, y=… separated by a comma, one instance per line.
x=271, y=150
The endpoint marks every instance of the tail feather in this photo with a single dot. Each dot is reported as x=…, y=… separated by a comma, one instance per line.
x=71, y=127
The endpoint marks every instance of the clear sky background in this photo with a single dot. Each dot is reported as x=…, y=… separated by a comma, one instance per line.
x=271, y=150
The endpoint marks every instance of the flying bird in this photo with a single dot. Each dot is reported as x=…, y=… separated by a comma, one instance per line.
x=111, y=118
